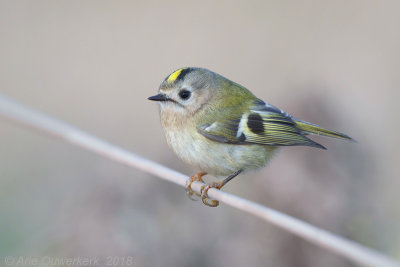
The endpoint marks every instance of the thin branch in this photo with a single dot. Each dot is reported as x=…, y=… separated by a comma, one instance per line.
x=351, y=250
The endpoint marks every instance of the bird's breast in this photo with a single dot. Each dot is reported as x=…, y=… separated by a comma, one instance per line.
x=219, y=159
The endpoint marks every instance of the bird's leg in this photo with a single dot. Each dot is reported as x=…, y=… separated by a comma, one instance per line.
x=217, y=185
x=197, y=177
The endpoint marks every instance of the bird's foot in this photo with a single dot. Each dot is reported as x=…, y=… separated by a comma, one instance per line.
x=204, y=195
x=197, y=177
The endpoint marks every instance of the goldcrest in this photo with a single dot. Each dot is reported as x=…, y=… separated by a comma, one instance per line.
x=222, y=129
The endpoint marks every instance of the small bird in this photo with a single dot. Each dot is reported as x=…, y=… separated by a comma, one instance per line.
x=222, y=129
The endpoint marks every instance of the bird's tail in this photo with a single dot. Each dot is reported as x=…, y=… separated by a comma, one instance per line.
x=307, y=128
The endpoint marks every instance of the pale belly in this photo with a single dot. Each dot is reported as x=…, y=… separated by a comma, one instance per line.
x=218, y=159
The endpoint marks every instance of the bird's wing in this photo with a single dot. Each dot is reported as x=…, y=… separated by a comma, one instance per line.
x=261, y=124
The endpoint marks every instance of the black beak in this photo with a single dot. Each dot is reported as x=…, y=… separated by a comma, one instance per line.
x=159, y=97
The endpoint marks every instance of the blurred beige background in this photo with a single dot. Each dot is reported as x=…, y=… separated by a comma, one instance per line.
x=94, y=63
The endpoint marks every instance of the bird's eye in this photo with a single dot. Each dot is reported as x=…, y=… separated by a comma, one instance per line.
x=184, y=94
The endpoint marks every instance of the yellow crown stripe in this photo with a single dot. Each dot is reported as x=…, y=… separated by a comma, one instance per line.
x=174, y=76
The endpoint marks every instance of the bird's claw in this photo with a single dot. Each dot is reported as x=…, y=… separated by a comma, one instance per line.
x=204, y=195
x=197, y=177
